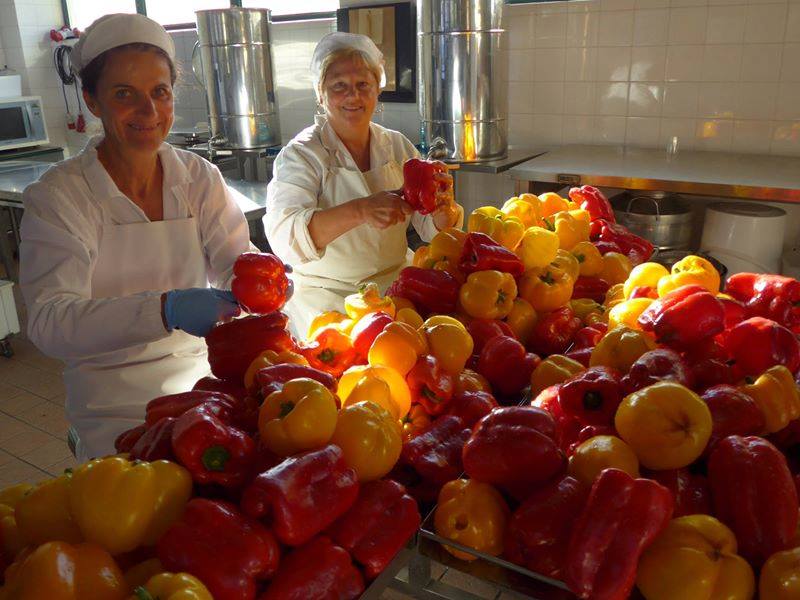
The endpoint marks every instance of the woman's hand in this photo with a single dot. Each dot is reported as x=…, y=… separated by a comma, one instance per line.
x=383, y=209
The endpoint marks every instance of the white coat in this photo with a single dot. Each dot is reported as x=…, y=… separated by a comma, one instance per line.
x=315, y=171
x=93, y=268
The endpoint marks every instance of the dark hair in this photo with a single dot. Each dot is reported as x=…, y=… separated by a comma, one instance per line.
x=90, y=74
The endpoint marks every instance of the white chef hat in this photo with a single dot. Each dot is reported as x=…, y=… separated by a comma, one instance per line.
x=340, y=40
x=112, y=31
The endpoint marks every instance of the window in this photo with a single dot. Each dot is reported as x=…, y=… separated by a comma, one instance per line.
x=293, y=7
x=83, y=13
x=173, y=12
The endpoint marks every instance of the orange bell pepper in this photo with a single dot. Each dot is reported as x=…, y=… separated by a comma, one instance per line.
x=647, y=274
x=616, y=268
x=416, y=421
x=620, y=348
x=401, y=303
x=589, y=258
x=368, y=299
x=552, y=203
x=43, y=514
x=449, y=342
x=471, y=381
x=775, y=392
x=356, y=383
x=627, y=313
x=398, y=346
x=525, y=207
x=370, y=439
x=410, y=317
x=331, y=317
x=447, y=245
x=602, y=452
x=567, y=262
x=538, y=247
x=488, y=294
x=11, y=542
x=546, y=289
x=267, y=359
x=690, y=270
x=140, y=573
x=647, y=418
x=449, y=266
x=556, y=368
x=570, y=228
x=472, y=513
x=331, y=351
x=422, y=257
x=780, y=576
x=522, y=319
x=506, y=231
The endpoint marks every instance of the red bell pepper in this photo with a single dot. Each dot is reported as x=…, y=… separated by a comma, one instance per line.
x=430, y=385
x=259, y=282
x=735, y=311
x=430, y=290
x=271, y=379
x=732, y=413
x=770, y=296
x=592, y=395
x=514, y=448
x=232, y=387
x=378, y=525
x=643, y=291
x=506, y=365
x=367, y=329
x=605, y=246
x=303, y=495
x=582, y=355
x=568, y=427
x=685, y=316
x=657, y=365
x=621, y=518
x=156, y=443
x=787, y=437
x=435, y=453
x=482, y=330
x=538, y=532
x=128, y=438
x=554, y=331
x=753, y=493
x=318, y=570
x=210, y=447
x=589, y=336
x=471, y=407
x=710, y=372
x=690, y=491
x=590, y=287
x=592, y=200
x=420, y=184
x=174, y=405
x=482, y=253
x=233, y=346
x=229, y=552
x=757, y=344
x=637, y=249
x=330, y=351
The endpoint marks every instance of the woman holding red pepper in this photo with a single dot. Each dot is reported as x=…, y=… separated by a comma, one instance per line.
x=334, y=207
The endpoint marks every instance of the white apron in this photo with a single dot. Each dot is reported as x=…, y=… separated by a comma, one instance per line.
x=107, y=394
x=363, y=254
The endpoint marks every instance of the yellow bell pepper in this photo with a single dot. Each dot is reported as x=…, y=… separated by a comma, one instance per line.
x=416, y=421
x=140, y=573
x=60, y=571
x=602, y=452
x=666, y=424
x=447, y=245
x=569, y=228
x=695, y=558
x=556, y=368
x=552, y=203
x=472, y=513
x=589, y=258
x=43, y=514
x=398, y=346
x=780, y=576
x=172, y=586
x=370, y=439
x=450, y=343
x=11, y=542
x=627, y=312
x=409, y=316
x=620, y=348
x=647, y=274
x=546, y=289
x=470, y=381
x=538, y=247
x=449, y=266
x=434, y=320
x=267, y=359
x=122, y=505
x=422, y=257
x=488, y=294
x=10, y=496
x=614, y=295
x=522, y=319
x=398, y=388
x=690, y=270
x=616, y=268
x=506, y=231
x=587, y=310
x=777, y=396
x=368, y=299
x=373, y=389
x=401, y=303
x=299, y=417
x=331, y=317
x=567, y=262
x=526, y=207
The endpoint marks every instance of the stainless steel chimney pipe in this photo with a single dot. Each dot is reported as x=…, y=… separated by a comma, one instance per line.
x=462, y=61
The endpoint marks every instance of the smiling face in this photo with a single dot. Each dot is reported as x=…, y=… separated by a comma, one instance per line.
x=349, y=93
x=133, y=99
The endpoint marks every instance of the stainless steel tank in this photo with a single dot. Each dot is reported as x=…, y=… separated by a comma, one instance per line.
x=236, y=64
x=462, y=61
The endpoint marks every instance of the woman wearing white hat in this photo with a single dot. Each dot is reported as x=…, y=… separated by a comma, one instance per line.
x=331, y=211
x=119, y=243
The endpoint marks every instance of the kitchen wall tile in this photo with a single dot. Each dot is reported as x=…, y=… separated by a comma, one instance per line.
x=549, y=64
x=756, y=100
x=765, y=23
x=793, y=23
x=548, y=129
x=717, y=100
x=613, y=64
x=786, y=138
x=616, y=4
x=650, y=27
x=684, y=63
x=678, y=3
x=754, y=137
x=787, y=105
x=520, y=65
x=577, y=129
x=680, y=99
x=583, y=6
x=520, y=134
x=646, y=4
x=549, y=8
x=645, y=99
x=611, y=99
x=722, y=63
x=790, y=70
x=616, y=28
x=581, y=64
x=683, y=129
x=520, y=97
x=648, y=63
x=548, y=98
x=521, y=34
x=727, y=2
x=762, y=62
x=725, y=24
x=642, y=131
x=687, y=25
x=582, y=28
x=579, y=98
x=550, y=30
x=608, y=130
x=714, y=134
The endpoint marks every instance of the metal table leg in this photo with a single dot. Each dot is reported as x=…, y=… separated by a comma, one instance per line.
x=6, y=251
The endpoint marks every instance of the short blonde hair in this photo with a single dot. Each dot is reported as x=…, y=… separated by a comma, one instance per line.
x=348, y=54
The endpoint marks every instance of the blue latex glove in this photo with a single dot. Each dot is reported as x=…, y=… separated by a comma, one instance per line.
x=197, y=310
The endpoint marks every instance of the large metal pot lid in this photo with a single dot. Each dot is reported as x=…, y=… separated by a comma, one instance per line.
x=747, y=209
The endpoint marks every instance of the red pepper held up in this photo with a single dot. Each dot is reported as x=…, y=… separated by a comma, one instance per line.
x=420, y=184
x=260, y=283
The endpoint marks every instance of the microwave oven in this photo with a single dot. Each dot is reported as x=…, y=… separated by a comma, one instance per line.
x=22, y=122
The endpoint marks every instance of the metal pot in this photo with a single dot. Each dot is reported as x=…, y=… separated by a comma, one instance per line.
x=661, y=218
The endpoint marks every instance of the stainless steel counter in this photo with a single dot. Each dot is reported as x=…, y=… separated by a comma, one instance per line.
x=515, y=156
x=747, y=176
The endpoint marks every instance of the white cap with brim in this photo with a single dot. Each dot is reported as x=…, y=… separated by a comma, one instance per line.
x=340, y=40
x=112, y=31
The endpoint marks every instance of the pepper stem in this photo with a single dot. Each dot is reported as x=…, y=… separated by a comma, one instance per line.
x=143, y=594
x=592, y=400
x=215, y=457
x=430, y=394
x=286, y=408
x=326, y=355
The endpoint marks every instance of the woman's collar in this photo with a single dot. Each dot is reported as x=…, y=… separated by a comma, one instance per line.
x=332, y=143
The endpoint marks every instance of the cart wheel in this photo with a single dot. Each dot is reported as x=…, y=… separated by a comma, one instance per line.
x=6, y=349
